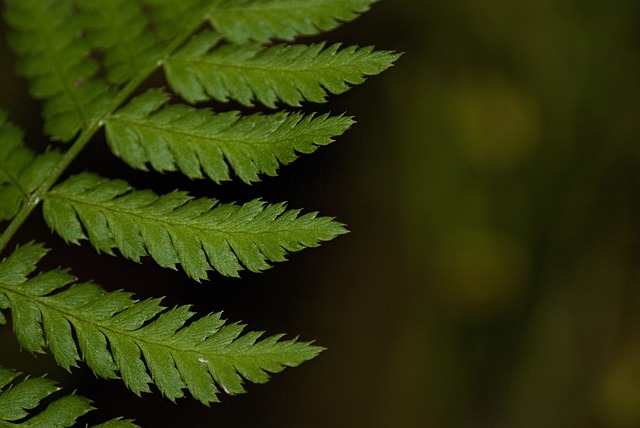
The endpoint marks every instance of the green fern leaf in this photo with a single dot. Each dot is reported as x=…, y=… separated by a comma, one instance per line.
x=13, y=159
x=17, y=399
x=56, y=60
x=120, y=30
x=262, y=20
x=21, y=170
x=179, y=137
x=143, y=341
x=175, y=228
x=287, y=73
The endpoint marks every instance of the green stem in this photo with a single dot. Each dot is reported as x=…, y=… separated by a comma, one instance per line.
x=93, y=126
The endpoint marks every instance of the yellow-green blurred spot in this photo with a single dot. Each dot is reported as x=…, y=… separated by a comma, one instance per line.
x=481, y=272
x=494, y=124
x=620, y=390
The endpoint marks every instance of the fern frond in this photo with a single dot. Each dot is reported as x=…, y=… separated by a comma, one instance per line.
x=175, y=228
x=17, y=399
x=84, y=59
x=263, y=20
x=143, y=341
x=195, y=141
x=21, y=170
x=120, y=30
x=287, y=73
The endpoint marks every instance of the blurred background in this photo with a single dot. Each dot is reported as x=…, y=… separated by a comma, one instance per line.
x=491, y=276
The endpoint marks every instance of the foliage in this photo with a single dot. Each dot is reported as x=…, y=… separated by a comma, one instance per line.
x=86, y=60
x=17, y=398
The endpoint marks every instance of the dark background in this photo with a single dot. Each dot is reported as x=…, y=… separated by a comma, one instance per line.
x=491, y=275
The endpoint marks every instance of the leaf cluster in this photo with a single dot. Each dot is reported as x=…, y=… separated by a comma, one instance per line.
x=87, y=61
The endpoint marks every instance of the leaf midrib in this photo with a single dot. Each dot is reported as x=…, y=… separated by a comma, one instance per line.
x=226, y=233
x=251, y=67
x=222, y=142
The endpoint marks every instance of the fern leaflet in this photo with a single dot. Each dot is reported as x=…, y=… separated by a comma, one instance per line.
x=169, y=137
x=13, y=159
x=175, y=228
x=287, y=73
x=262, y=20
x=57, y=62
x=143, y=341
x=16, y=399
x=21, y=170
